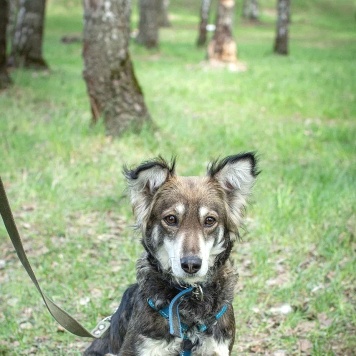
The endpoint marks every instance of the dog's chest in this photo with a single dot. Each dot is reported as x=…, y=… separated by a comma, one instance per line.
x=208, y=346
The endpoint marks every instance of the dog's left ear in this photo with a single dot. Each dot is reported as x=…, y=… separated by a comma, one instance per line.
x=143, y=183
x=236, y=175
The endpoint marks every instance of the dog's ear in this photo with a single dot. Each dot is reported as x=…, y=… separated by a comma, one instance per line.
x=236, y=175
x=144, y=181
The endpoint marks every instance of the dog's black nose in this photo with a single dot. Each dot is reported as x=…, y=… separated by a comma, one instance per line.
x=191, y=264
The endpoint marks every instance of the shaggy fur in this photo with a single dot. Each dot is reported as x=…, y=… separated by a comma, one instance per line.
x=188, y=225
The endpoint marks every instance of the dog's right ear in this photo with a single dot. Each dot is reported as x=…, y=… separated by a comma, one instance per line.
x=143, y=182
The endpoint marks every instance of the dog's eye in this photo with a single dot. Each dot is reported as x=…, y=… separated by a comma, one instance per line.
x=209, y=221
x=171, y=220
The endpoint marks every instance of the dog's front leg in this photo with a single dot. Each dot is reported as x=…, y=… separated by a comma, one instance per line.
x=130, y=345
x=146, y=346
x=148, y=334
x=212, y=347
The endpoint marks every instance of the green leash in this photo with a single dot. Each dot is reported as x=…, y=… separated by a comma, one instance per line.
x=62, y=317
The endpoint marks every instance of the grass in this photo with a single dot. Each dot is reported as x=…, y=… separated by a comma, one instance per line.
x=65, y=185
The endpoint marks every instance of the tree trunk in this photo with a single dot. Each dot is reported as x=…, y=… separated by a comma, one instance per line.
x=112, y=87
x=149, y=23
x=204, y=19
x=281, y=42
x=28, y=35
x=5, y=80
x=250, y=10
x=223, y=46
x=13, y=10
x=163, y=18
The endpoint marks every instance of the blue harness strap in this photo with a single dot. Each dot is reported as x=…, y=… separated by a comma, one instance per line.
x=178, y=328
x=175, y=326
x=171, y=313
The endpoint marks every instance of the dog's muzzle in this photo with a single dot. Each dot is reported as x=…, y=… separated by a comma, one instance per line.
x=191, y=264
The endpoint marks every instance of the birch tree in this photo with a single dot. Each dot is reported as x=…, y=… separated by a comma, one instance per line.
x=204, y=19
x=250, y=10
x=150, y=11
x=113, y=89
x=163, y=18
x=26, y=46
x=223, y=47
x=281, y=41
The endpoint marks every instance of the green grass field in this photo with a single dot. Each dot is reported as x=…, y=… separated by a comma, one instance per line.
x=297, y=260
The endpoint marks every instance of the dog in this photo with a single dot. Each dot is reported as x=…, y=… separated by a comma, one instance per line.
x=182, y=301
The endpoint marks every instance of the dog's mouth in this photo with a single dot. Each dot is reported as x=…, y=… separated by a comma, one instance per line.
x=188, y=279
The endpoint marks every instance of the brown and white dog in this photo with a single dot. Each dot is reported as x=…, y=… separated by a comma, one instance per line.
x=182, y=301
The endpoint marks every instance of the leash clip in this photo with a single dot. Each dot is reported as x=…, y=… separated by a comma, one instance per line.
x=102, y=327
x=198, y=292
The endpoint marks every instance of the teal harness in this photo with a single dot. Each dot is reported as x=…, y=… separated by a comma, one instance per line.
x=180, y=329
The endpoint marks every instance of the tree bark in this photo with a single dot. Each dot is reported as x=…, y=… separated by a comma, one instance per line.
x=223, y=46
x=149, y=23
x=112, y=87
x=5, y=80
x=204, y=19
x=250, y=10
x=28, y=35
x=281, y=41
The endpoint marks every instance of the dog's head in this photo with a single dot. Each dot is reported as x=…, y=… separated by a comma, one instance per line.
x=189, y=223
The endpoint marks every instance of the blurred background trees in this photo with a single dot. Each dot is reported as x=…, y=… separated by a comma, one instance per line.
x=283, y=17
x=5, y=80
x=222, y=48
x=204, y=21
x=250, y=10
x=27, y=35
x=149, y=22
x=153, y=14
x=163, y=17
x=114, y=92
